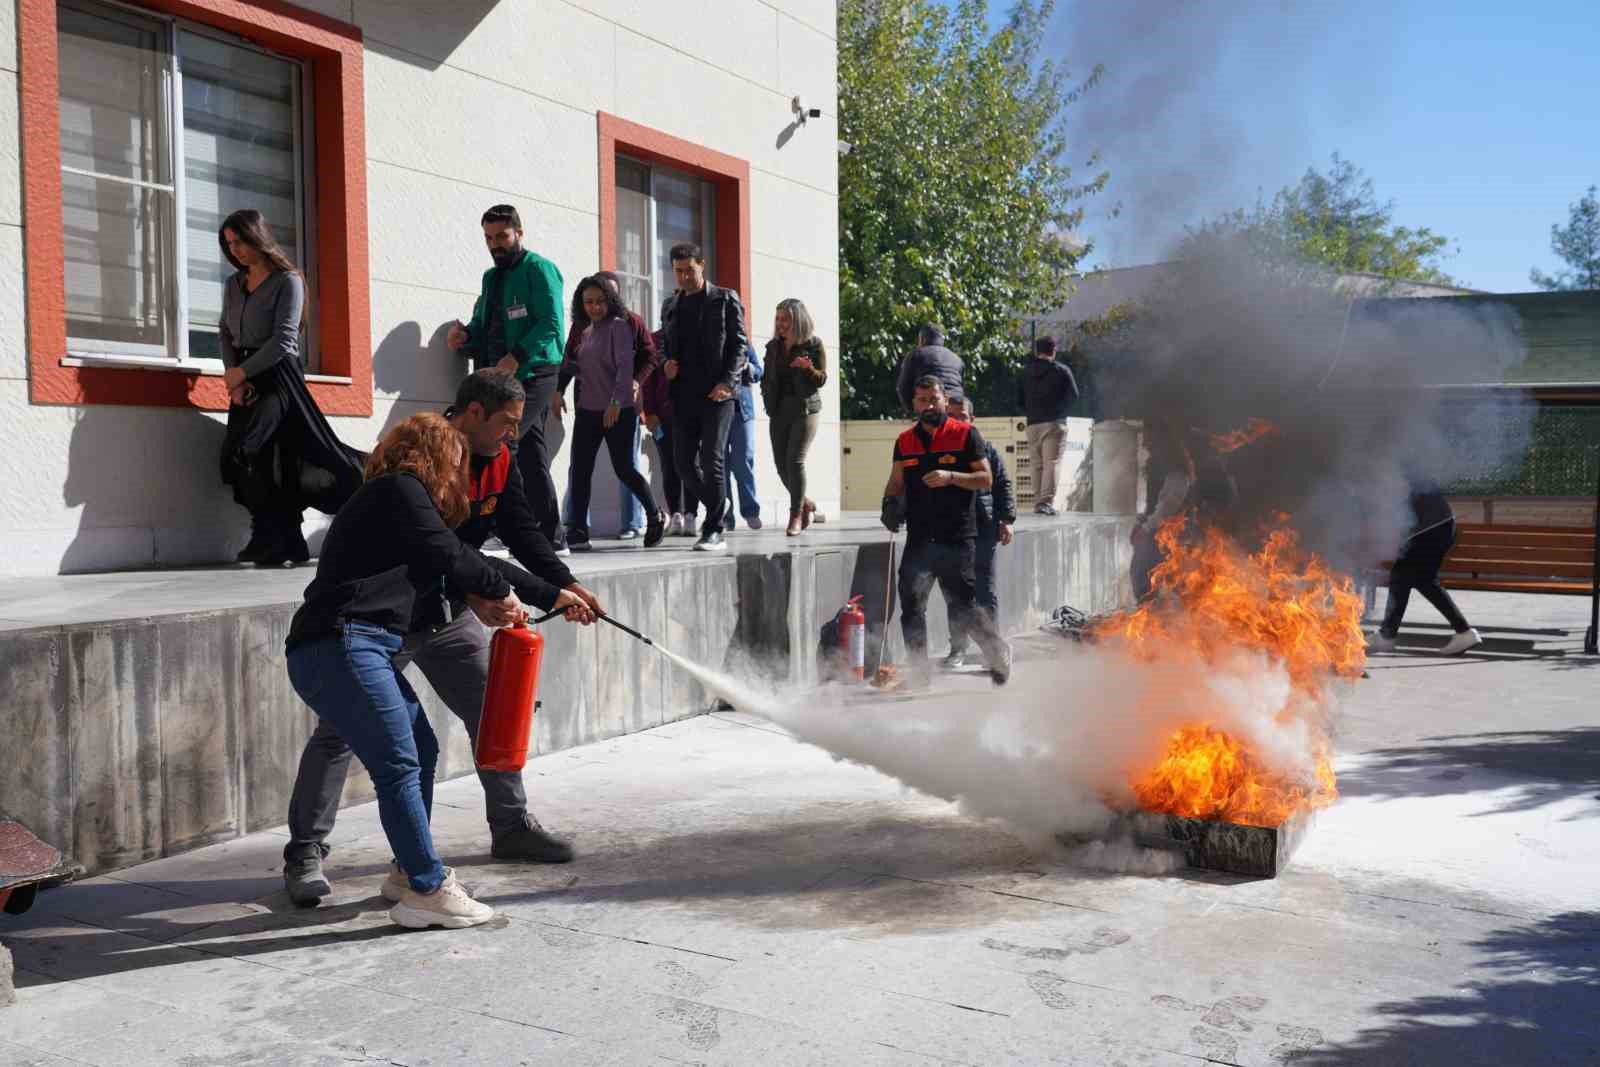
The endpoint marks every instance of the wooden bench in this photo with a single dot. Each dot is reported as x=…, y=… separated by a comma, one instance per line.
x=1509, y=559
x=1521, y=559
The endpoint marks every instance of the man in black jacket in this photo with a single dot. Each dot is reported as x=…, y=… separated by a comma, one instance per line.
x=930, y=357
x=450, y=646
x=997, y=513
x=705, y=339
x=1046, y=392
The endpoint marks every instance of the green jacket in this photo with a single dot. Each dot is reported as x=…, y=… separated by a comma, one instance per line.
x=534, y=337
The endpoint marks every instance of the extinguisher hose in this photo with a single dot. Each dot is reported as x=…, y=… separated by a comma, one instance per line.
x=630, y=631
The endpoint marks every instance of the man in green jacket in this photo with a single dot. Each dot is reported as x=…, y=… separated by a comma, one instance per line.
x=517, y=326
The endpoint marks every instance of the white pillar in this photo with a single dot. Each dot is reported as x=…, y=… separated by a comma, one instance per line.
x=1116, y=468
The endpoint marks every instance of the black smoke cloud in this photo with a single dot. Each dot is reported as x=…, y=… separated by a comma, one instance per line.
x=1359, y=392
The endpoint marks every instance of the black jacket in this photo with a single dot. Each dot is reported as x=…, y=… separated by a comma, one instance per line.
x=998, y=503
x=936, y=360
x=715, y=354
x=1046, y=391
x=500, y=508
x=388, y=547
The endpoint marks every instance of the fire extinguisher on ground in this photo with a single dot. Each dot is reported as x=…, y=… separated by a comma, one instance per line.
x=853, y=637
x=505, y=727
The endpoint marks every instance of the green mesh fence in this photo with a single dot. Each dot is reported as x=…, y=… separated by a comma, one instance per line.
x=1562, y=459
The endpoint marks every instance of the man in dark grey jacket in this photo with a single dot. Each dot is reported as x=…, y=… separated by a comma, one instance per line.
x=997, y=513
x=703, y=329
x=930, y=357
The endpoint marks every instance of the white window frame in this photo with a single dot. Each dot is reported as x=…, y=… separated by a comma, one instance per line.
x=708, y=196
x=89, y=352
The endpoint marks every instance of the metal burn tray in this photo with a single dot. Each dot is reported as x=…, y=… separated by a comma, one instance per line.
x=1256, y=851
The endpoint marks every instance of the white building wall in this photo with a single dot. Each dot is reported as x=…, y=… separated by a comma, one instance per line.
x=467, y=104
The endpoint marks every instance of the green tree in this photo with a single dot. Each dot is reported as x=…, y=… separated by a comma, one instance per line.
x=953, y=200
x=1332, y=220
x=1578, y=243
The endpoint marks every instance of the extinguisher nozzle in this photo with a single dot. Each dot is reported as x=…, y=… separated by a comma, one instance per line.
x=630, y=631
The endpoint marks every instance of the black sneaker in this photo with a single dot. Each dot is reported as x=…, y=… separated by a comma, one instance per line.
x=578, y=540
x=305, y=882
x=288, y=547
x=954, y=661
x=1000, y=671
x=655, y=529
x=531, y=844
x=262, y=537
x=711, y=541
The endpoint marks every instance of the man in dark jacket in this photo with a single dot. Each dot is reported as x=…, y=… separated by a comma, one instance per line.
x=1046, y=392
x=703, y=327
x=930, y=358
x=451, y=648
x=997, y=513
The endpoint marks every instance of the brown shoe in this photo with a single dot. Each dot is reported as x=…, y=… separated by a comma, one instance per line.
x=796, y=524
x=806, y=511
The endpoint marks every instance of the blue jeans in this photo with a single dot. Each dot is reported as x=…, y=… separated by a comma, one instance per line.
x=628, y=505
x=742, y=469
x=350, y=680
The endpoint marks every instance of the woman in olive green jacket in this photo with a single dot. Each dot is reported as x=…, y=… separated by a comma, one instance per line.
x=796, y=369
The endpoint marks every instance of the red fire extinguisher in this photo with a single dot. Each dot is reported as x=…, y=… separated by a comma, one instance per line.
x=853, y=637
x=506, y=725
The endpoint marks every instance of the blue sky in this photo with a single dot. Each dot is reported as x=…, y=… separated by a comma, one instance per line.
x=1480, y=120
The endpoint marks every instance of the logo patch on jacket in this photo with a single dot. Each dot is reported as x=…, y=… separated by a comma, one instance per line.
x=489, y=506
x=947, y=458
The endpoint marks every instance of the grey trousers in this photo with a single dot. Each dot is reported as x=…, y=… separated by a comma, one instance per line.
x=455, y=660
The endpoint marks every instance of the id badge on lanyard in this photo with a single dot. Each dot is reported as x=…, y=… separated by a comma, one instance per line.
x=516, y=311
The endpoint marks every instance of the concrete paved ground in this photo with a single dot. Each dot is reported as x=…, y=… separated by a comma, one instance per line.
x=741, y=898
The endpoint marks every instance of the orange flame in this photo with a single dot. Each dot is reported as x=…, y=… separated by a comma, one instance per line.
x=1212, y=601
x=1254, y=431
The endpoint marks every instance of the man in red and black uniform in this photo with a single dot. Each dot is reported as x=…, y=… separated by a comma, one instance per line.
x=450, y=646
x=940, y=465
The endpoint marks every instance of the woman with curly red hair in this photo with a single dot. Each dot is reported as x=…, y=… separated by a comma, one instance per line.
x=390, y=545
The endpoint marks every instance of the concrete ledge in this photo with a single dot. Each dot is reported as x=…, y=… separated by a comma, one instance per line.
x=149, y=730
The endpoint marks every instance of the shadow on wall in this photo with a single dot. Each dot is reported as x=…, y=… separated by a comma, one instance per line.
x=150, y=491
x=421, y=375
x=424, y=35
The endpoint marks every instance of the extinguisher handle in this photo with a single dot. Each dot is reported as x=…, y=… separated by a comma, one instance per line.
x=544, y=618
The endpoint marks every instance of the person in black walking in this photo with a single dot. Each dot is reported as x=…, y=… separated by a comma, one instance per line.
x=1432, y=533
x=705, y=339
x=940, y=466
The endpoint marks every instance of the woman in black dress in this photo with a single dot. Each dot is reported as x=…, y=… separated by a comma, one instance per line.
x=279, y=455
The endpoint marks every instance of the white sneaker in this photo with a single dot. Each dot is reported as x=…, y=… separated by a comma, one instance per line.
x=1460, y=643
x=1376, y=642
x=675, y=528
x=627, y=535
x=396, y=885
x=449, y=906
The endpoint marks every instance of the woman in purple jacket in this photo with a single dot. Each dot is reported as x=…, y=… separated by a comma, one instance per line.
x=606, y=410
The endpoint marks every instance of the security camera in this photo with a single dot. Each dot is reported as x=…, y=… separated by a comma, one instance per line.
x=845, y=148
x=802, y=113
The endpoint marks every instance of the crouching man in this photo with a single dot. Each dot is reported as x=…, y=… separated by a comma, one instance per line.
x=940, y=466
x=450, y=645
